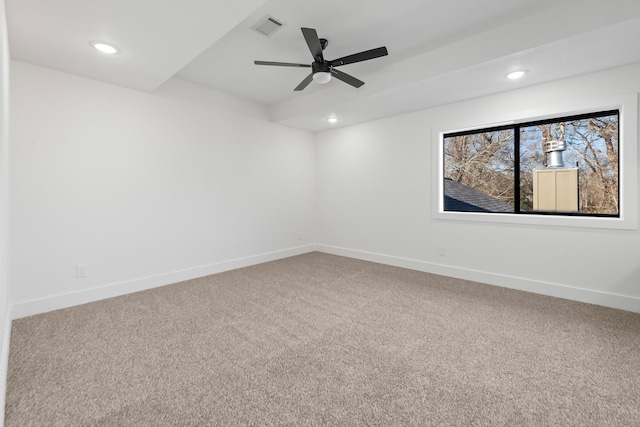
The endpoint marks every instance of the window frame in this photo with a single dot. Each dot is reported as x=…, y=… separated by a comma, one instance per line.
x=627, y=218
x=516, y=127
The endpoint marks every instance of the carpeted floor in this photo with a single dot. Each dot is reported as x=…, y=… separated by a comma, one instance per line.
x=324, y=340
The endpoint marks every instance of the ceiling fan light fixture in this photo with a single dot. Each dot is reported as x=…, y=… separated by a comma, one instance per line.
x=322, y=77
x=332, y=119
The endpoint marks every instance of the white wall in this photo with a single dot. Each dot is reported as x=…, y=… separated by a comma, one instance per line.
x=375, y=201
x=145, y=189
x=5, y=310
x=4, y=168
x=149, y=189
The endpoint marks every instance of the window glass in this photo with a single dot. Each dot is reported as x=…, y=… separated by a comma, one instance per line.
x=564, y=166
x=479, y=171
x=587, y=145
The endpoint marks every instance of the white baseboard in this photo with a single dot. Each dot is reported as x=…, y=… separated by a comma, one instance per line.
x=4, y=361
x=43, y=305
x=56, y=302
x=606, y=299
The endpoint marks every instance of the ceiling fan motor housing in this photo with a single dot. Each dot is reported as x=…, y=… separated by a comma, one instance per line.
x=317, y=67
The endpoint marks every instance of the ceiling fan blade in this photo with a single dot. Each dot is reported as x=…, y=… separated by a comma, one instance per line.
x=304, y=83
x=358, y=57
x=281, y=64
x=346, y=78
x=311, y=37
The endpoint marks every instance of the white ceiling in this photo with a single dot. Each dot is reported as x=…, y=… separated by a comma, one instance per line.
x=440, y=51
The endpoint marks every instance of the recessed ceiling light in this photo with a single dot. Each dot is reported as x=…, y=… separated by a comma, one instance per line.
x=515, y=75
x=332, y=119
x=103, y=47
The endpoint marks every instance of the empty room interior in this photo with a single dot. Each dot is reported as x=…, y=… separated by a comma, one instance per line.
x=286, y=212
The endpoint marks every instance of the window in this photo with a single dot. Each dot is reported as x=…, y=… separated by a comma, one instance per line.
x=566, y=166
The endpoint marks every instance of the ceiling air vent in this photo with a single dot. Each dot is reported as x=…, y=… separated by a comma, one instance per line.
x=267, y=26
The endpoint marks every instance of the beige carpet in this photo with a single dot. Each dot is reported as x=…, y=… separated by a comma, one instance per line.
x=324, y=340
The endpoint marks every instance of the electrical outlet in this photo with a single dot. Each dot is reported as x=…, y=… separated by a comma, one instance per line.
x=442, y=251
x=81, y=271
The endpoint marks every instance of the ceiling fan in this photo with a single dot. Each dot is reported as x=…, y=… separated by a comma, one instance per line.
x=321, y=69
